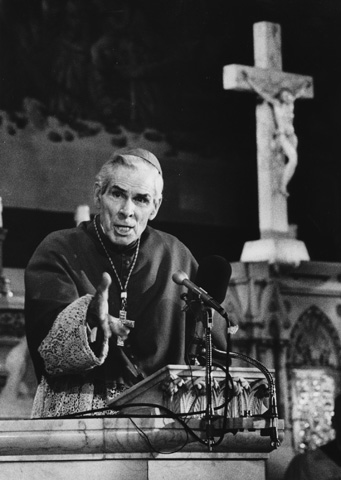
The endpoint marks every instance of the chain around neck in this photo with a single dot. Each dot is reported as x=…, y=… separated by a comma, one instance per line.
x=123, y=287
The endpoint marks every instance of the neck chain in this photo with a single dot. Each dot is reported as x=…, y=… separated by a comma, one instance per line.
x=123, y=310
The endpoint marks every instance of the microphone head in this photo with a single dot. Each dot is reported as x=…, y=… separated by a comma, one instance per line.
x=213, y=275
x=179, y=277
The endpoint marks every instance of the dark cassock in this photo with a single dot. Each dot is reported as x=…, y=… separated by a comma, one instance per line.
x=77, y=369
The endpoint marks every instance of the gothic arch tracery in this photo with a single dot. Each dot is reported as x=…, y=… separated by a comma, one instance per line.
x=314, y=341
x=314, y=361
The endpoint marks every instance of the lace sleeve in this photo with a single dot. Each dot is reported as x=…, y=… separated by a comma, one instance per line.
x=66, y=348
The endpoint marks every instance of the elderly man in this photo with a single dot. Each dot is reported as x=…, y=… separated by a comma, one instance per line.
x=102, y=311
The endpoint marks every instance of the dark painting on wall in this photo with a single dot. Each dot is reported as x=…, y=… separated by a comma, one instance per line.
x=152, y=64
x=141, y=65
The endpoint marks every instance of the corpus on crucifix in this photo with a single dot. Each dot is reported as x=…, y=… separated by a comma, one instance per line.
x=285, y=139
x=276, y=142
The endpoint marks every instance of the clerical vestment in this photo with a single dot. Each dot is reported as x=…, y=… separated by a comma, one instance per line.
x=60, y=281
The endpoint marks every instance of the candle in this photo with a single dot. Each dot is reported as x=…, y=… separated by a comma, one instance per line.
x=1, y=222
x=82, y=214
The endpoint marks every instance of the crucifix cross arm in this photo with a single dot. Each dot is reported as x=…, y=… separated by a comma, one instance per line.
x=266, y=82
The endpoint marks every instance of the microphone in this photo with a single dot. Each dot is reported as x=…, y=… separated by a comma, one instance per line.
x=181, y=278
x=214, y=273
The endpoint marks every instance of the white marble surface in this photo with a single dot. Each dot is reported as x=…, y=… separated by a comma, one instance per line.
x=22, y=438
x=285, y=251
x=137, y=469
x=107, y=448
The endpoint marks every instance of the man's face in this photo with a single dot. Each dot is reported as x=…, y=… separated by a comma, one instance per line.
x=129, y=201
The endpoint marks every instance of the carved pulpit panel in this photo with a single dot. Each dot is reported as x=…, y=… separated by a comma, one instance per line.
x=187, y=394
x=181, y=389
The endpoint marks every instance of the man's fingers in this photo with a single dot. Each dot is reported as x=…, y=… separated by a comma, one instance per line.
x=104, y=325
x=98, y=308
x=103, y=287
x=101, y=296
x=117, y=328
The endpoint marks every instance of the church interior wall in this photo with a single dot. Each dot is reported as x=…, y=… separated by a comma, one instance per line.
x=205, y=139
x=182, y=114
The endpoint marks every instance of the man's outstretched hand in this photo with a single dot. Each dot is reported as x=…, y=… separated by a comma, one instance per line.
x=98, y=312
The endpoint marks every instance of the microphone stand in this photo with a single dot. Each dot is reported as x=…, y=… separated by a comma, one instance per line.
x=207, y=320
x=208, y=314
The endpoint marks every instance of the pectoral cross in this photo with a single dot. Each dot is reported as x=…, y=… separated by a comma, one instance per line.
x=123, y=317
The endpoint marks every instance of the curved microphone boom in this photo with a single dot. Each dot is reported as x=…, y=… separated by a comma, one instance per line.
x=181, y=278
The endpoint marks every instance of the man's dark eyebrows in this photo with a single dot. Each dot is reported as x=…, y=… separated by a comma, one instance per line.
x=145, y=196
x=117, y=187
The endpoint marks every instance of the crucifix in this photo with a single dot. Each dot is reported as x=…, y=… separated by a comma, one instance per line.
x=276, y=142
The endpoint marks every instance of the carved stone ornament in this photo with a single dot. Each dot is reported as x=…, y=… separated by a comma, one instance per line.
x=314, y=365
x=181, y=394
x=314, y=341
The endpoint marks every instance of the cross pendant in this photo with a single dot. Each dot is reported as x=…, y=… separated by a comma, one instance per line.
x=123, y=317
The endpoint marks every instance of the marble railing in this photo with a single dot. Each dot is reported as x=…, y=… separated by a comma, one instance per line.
x=130, y=434
x=132, y=448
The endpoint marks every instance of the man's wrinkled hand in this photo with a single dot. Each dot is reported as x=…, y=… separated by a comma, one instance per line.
x=118, y=329
x=98, y=312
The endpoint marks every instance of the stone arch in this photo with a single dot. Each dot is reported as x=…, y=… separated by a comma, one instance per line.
x=314, y=363
x=314, y=341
